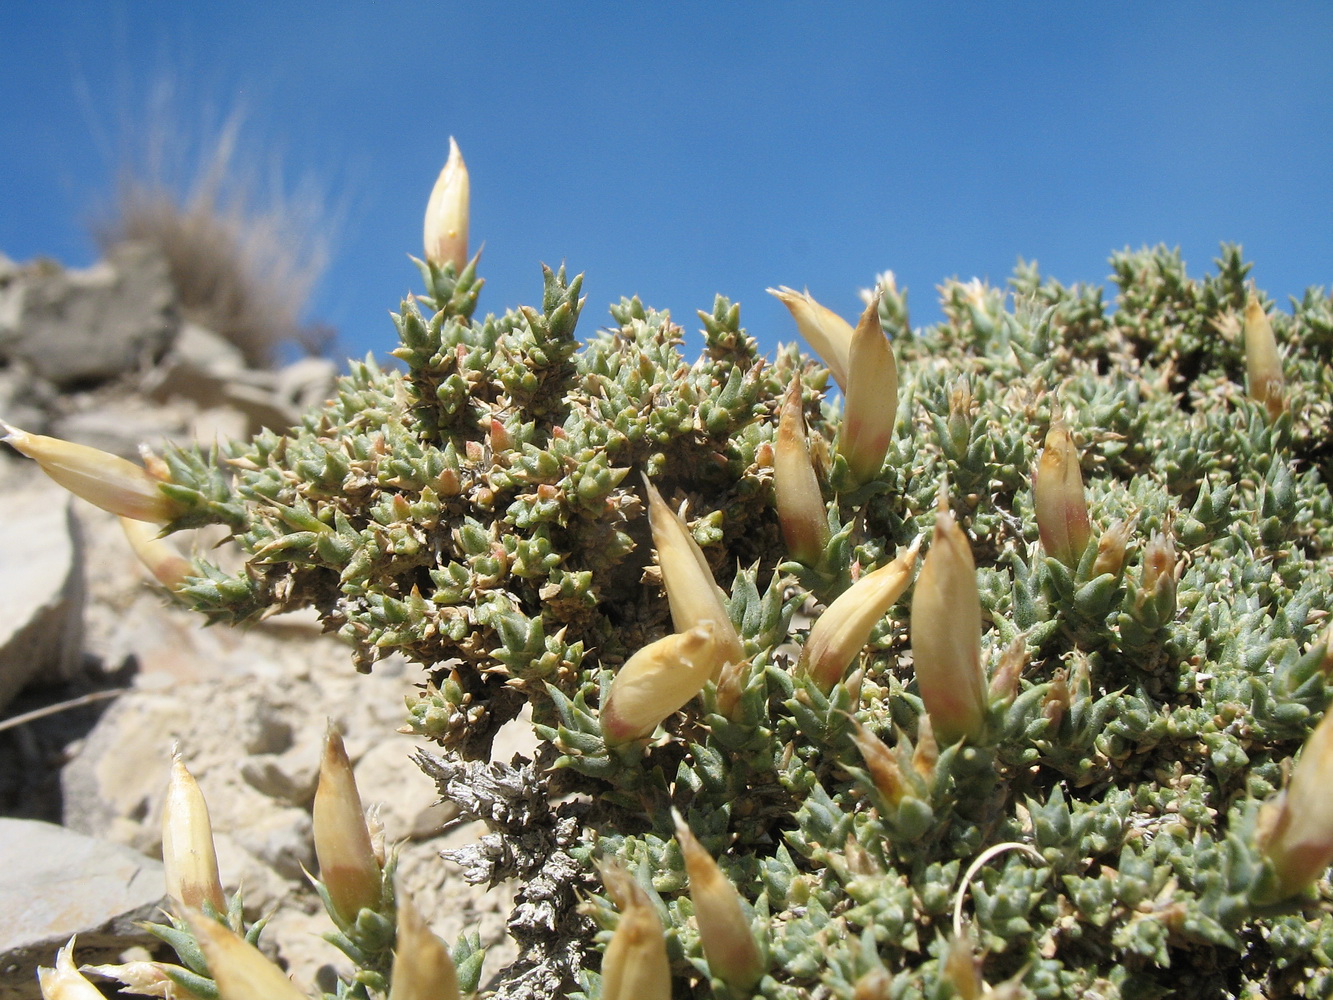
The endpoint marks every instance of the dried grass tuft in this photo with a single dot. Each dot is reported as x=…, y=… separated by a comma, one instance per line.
x=243, y=251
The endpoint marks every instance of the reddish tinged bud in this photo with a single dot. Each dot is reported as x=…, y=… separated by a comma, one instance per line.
x=1111, y=549
x=1263, y=366
x=801, y=509
x=1057, y=700
x=841, y=632
x=1062, y=508
x=1004, y=682
x=347, y=864
x=927, y=752
x=946, y=634
x=658, y=680
x=828, y=333
x=961, y=968
x=1159, y=565
x=733, y=956
x=1296, y=828
x=881, y=763
x=872, y=398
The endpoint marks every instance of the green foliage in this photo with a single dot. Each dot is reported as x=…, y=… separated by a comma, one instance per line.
x=481, y=513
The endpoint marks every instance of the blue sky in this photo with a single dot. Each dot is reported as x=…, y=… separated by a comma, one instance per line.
x=679, y=150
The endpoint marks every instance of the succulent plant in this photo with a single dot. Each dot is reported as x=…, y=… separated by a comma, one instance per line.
x=1057, y=765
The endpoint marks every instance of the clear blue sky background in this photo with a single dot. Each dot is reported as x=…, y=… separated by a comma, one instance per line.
x=677, y=150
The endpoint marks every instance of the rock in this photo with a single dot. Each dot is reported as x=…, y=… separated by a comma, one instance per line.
x=89, y=326
x=56, y=883
x=120, y=424
x=25, y=399
x=41, y=589
x=199, y=367
x=307, y=383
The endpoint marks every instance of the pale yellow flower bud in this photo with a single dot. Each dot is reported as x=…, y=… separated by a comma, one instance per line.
x=65, y=982
x=105, y=480
x=347, y=864
x=1263, y=366
x=801, y=509
x=189, y=860
x=1057, y=494
x=733, y=956
x=635, y=965
x=692, y=592
x=658, y=680
x=872, y=398
x=841, y=632
x=828, y=333
x=447, y=213
x=159, y=557
x=1296, y=832
x=946, y=634
x=239, y=968
x=422, y=966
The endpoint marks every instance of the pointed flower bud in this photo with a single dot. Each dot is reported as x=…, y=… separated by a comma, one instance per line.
x=800, y=504
x=841, y=632
x=635, y=965
x=881, y=763
x=946, y=634
x=872, y=398
x=1057, y=493
x=733, y=956
x=1004, y=682
x=824, y=330
x=422, y=966
x=447, y=213
x=962, y=970
x=927, y=752
x=188, y=858
x=1111, y=549
x=1263, y=365
x=658, y=680
x=105, y=480
x=159, y=557
x=238, y=967
x=692, y=592
x=1296, y=829
x=1159, y=566
x=347, y=864
x=65, y=982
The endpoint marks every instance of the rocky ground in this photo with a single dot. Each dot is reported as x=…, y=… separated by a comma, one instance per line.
x=101, y=356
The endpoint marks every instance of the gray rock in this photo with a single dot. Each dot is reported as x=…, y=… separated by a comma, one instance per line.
x=80, y=327
x=56, y=883
x=25, y=400
x=41, y=589
x=199, y=367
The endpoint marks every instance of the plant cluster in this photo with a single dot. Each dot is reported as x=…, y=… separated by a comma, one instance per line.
x=776, y=758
